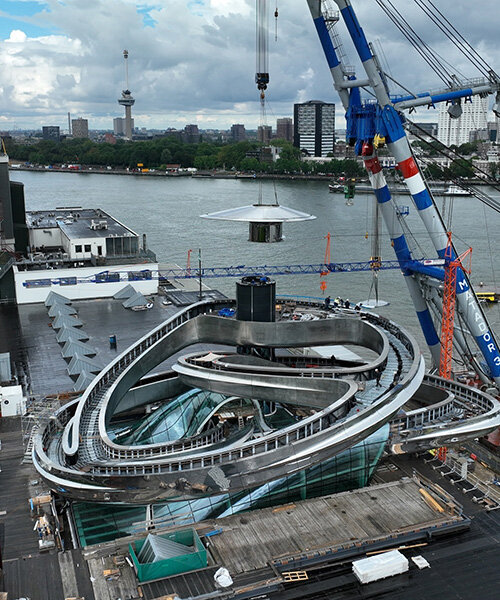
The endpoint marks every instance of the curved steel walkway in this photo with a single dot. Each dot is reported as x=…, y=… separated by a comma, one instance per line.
x=75, y=455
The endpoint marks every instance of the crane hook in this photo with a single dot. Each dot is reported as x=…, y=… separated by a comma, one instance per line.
x=276, y=23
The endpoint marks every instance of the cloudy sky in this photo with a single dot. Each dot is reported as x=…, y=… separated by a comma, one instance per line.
x=193, y=61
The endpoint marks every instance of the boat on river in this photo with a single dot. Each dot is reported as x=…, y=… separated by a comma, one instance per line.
x=451, y=190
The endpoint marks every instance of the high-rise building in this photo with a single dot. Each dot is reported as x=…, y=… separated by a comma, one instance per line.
x=457, y=131
x=428, y=128
x=80, y=128
x=314, y=127
x=284, y=129
x=191, y=134
x=119, y=125
x=264, y=133
x=7, y=237
x=51, y=132
x=493, y=130
x=238, y=133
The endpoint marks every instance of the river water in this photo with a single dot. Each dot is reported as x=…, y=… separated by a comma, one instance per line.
x=168, y=210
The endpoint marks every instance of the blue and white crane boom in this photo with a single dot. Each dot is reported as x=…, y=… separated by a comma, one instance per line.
x=351, y=101
x=364, y=122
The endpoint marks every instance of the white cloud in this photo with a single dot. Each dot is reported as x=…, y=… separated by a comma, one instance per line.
x=226, y=7
x=197, y=63
x=16, y=37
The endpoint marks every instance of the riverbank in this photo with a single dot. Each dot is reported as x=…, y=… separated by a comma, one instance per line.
x=205, y=174
x=194, y=175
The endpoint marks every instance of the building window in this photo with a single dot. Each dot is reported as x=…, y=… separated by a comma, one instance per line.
x=99, y=250
x=139, y=275
x=107, y=277
x=78, y=248
x=87, y=248
x=32, y=283
x=67, y=281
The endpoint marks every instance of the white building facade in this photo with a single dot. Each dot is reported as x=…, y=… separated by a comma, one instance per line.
x=458, y=131
x=82, y=283
x=81, y=253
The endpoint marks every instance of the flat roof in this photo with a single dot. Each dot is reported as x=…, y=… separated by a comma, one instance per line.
x=25, y=334
x=250, y=541
x=76, y=222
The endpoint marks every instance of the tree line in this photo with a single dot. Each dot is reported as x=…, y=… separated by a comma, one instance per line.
x=160, y=152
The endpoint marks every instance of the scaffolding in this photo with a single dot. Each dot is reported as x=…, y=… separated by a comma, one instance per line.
x=38, y=412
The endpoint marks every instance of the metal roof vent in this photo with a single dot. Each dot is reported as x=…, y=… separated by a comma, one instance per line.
x=96, y=224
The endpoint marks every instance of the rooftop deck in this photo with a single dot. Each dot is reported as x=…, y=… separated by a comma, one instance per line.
x=253, y=541
x=26, y=334
x=77, y=222
x=255, y=546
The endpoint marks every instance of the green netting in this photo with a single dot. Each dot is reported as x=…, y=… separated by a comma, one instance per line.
x=174, y=565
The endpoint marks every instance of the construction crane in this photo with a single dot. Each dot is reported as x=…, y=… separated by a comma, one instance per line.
x=265, y=218
x=262, y=54
x=449, y=301
x=368, y=122
x=432, y=267
x=448, y=319
x=322, y=276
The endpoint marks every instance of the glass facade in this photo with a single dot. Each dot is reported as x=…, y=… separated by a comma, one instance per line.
x=180, y=418
x=122, y=246
x=349, y=470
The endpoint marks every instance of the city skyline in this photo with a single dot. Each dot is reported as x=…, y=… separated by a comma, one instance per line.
x=117, y=127
x=55, y=59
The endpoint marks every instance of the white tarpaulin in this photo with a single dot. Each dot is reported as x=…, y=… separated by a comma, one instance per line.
x=420, y=562
x=208, y=358
x=379, y=566
x=223, y=578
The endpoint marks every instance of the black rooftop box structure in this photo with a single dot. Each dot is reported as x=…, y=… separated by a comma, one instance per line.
x=256, y=299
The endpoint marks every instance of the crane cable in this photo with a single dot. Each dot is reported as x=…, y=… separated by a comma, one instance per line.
x=455, y=37
x=444, y=151
x=428, y=55
x=491, y=255
x=376, y=254
x=261, y=54
x=276, y=22
x=433, y=59
x=398, y=22
x=445, y=70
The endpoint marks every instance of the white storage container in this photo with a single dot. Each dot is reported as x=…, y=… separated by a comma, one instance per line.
x=380, y=566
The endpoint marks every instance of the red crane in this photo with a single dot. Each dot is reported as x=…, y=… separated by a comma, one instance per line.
x=448, y=321
x=323, y=285
x=449, y=300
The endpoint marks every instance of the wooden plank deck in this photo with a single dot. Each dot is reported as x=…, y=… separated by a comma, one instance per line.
x=249, y=541
x=17, y=537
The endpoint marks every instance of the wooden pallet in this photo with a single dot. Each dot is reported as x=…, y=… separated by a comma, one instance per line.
x=295, y=575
